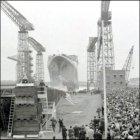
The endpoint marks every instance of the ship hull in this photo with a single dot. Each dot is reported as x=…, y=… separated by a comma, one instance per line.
x=63, y=72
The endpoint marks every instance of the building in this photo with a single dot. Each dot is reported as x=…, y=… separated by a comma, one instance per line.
x=114, y=79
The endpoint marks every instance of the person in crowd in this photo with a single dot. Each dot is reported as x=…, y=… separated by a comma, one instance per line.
x=86, y=129
x=102, y=111
x=96, y=122
x=108, y=134
x=76, y=131
x=82, y=134
x=89, y=133
x=71, y=133
x=97, y=135
x=98, y=111
x=60, y=121
x=54, y=122
x=64, y=132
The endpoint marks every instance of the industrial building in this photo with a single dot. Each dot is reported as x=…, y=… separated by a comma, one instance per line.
x=115, y=79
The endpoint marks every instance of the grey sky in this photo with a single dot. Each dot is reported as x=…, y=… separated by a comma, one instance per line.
x=65, y=27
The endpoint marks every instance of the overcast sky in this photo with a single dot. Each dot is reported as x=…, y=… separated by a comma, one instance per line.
x=65, y=27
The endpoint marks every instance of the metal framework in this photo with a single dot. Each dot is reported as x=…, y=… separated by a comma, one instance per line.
x=108, y=44
x=91, y=63
x=105, y=35
x=39, y=58
x=24, y=53
x=105, y=50
x=127, y=64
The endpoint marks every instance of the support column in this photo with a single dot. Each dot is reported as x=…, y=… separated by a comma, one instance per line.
x=24, y=56
x=39, y=67
x=104, y=82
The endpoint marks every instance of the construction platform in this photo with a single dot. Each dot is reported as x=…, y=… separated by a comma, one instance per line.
x=26, y=109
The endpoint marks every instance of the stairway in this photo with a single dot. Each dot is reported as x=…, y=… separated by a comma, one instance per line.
x=11, y=117
x=49, y=126
x=51, y=113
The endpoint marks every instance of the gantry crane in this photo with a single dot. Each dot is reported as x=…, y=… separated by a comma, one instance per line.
x=105, y=50
x=127, y=64
x=39, y=58
x=106, y=33
x=24, y=53
x=91, y=63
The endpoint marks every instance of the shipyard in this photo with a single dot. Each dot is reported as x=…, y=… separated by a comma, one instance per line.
x=69, y=70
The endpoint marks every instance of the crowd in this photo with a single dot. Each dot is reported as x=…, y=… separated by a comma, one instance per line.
x=123, y=114
x=93, y=130
x=123, y=119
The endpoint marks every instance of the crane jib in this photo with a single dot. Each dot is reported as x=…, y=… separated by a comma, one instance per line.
x=16, y=17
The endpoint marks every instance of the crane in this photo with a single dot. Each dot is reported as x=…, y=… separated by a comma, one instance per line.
x=24, y=53
x=39, y=58
x=105, y=51
x=91, y=62
x=127, y=64
x=104, y=16
x=108, y=37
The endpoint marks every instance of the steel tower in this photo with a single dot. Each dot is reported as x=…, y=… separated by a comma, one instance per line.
x=91, y=62
x=24, y=53
x=39, y=58
x=108, y=38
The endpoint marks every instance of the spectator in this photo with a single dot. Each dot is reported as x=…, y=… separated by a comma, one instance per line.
x=76, y=131
x=95, y=121
x=64, y=133
x=60, y=124
x=97, y=135
x=71, y=133
x=108, y=134
x=82, y=133
x=90, y=133
x=54, y=122
x=86, y=129
x=102, y=110
x=98, y=111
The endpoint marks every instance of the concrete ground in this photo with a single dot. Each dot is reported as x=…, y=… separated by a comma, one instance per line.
x=81, y=113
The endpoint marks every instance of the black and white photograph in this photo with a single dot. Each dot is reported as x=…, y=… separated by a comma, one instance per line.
x=69, y=70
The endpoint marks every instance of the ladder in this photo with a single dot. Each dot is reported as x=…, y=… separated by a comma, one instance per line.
x=49, y=126
x=48, y=113
x=11, y=117
x=51, y=113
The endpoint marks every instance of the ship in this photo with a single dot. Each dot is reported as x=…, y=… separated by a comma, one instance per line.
x=63, y=71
